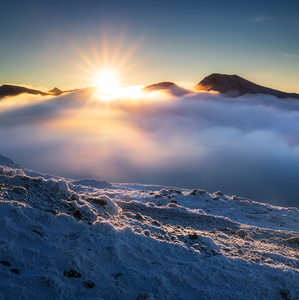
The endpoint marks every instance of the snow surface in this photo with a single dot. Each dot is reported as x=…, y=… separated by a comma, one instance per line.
x=91, y=239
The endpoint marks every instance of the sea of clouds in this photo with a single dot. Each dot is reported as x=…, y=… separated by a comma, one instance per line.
x=246, y=146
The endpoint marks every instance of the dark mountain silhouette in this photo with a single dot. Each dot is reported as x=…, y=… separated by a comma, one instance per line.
x=56, y=91
x=14, y=90
x=9, y=90
x=235, y=86
x=167, y=86
x=159, y=86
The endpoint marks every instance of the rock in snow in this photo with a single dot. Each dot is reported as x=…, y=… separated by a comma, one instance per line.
x=65, y=239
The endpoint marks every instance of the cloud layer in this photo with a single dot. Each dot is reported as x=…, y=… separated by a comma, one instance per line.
x=248, y=146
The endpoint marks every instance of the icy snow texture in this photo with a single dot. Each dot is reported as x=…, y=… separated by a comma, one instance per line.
x=127, y=241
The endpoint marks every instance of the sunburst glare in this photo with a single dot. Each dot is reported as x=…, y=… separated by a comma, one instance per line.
x=106, y=81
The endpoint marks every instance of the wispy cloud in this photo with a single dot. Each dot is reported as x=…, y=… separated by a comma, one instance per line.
x=260, y=18
x=289, y=55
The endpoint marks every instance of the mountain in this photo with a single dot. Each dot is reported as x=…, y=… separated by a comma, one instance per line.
x=167, y=86
x=56, y=91
x=235, y=86
x=90, y=239
x=159, y=86
x=9, y=90
x=14, y=90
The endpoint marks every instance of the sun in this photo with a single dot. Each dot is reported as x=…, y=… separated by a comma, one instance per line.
x=106, y=81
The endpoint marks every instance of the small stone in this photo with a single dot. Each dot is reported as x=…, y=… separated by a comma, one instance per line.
x=173, y=201
x=147, y=232
x=196, y=192
x=157, y=223
x=158, y=196
x=101, y=200
x=178, y=192
x=193, y=236
x=72, y=274
x=74, y=197
x=216, y=198
x=5, y=263
x=16, y=271
x=139, y=216
x=77, y=214
x=88, y=284
x=287, y=294
x=240, y=251
x=292, y=240
x=242, y=233
x=219, y=193
x=36, y=231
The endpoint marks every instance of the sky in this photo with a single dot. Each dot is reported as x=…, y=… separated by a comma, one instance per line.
x=62, y=43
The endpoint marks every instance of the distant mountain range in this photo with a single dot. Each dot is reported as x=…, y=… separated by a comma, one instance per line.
x=230, y=85
x=8, y=90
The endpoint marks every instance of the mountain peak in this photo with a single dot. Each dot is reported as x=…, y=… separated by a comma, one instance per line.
x=236, y=86
x=56, y=91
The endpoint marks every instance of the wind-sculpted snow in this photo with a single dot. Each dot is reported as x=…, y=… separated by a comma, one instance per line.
x=61, y=239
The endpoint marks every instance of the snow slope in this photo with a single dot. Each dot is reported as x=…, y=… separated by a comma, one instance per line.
x=90, y=239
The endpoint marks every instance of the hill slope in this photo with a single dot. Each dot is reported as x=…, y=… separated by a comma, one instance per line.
x=90, y=239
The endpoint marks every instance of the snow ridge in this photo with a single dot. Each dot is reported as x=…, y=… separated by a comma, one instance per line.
x=89, y=239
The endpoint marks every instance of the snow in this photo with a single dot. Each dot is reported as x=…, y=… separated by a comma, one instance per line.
x=91, y=239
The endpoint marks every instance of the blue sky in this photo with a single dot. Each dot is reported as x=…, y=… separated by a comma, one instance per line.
x=44, y=43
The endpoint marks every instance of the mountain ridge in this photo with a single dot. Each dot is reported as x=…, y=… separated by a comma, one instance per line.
x=236, y=86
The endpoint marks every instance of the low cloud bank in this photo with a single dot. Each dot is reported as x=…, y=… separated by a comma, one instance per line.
x=248, y=146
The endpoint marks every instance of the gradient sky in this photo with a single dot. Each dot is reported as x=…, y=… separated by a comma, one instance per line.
x=42, y=41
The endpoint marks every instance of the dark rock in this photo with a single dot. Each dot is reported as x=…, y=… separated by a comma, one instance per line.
x=88, y=284
x=16, y=271
x=36, y=231
x=72, y=274
x=196, y=192
x=235, y=86
x=158, y=196
x=193, y=236
x=139, y=216
x=173, y=201
x=117, y=275
x=242, y=233
x=74, y=197
x=77, y=214
x=100, y=201
x=219, y=193
x=5, y=263
x=287, y=294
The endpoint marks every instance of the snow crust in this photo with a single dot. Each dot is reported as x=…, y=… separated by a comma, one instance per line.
x=90, y=239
